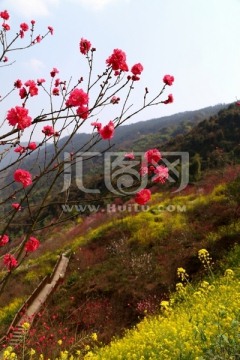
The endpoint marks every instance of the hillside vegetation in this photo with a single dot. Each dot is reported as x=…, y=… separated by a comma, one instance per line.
x=197, y=322
x=124, y=265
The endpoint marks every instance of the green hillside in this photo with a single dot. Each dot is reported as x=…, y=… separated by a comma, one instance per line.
x=125, y=261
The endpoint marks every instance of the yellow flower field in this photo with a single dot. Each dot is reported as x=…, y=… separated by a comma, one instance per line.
x=199, y=322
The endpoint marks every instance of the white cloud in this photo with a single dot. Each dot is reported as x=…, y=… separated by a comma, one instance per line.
x=94, y=4
x=38, y=8
x=30, y=8
x=34, y=64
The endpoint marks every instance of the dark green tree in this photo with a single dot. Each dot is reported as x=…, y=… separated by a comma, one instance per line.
x=195, y=168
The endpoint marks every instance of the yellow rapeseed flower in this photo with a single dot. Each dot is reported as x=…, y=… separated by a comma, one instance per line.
x=198, y=294
x=164, y=304
x=26, y=326
x=182, y=274
x=89, y=355
x=203, y=253
x=204, y=256
x=181, y=271
x=9, y=354
x=6, y=353
x=94, y=336
x=64, y=355
x=229, y=273
x=180, y=287
x=205, y=284
x=32, y=352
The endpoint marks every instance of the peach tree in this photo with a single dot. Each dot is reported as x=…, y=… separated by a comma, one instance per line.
x=70, y=104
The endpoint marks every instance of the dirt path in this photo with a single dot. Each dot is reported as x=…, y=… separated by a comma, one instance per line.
x=34, y=306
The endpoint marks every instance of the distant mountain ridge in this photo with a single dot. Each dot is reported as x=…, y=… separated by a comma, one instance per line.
x=139, y=136
x=210, y=136
x=124, y=138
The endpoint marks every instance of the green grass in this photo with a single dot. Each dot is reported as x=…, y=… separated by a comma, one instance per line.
x=8, y=312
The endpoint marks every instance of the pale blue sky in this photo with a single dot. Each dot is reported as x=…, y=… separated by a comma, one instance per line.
x=197, y=41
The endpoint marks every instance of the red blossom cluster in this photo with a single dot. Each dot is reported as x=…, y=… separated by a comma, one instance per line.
x=33, y=89
x=80, y=99
x=117, y=61
x=32, y=244
x=6, y=27
x=115, y=100
x=18, y=84
x=168, y=79
x=32, y=145
x=158, y=173
x=50, y=28
x=10, y=261
x=23, y=176
x=22, y=149
x=169, y=99
x=107, y=131
x=4, y=239
x=143, y=196
x=40, y=81
x=54, y=72
x=152, y=156
x=56, y=89
x=84, y=46
x=4, y=15
x=77, y=98
x=136, y=70
x=161, y=174
x=48, y=130
x=129, y=156
x=16, y=206
x=23, y=28
x=19, y=117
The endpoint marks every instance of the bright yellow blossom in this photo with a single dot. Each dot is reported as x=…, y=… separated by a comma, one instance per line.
x=32, y=352
x=229, y=273
x=182, y=274
x=94, y=336
x=26, y=326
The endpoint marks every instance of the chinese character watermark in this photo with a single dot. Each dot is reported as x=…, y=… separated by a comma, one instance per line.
x=121, y=175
